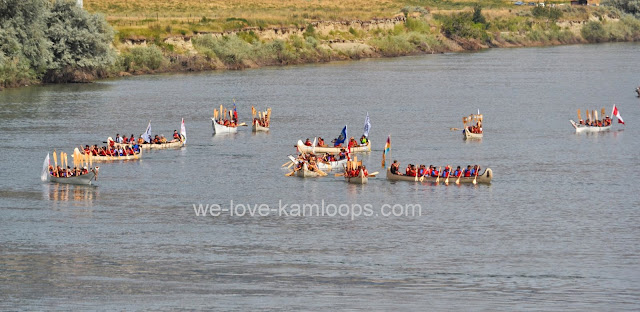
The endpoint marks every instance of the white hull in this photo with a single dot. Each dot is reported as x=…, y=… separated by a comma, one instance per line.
x=333, y=150
x=327, y=166
x=583, y=128
x=218, y=128
x=84, y=179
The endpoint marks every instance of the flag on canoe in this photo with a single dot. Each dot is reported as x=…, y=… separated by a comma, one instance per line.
x=147, y=134
x=183, y=131
x=45, y=169
x=387, y=148
x=341, y=138
x=367, y=125
x=616, y=113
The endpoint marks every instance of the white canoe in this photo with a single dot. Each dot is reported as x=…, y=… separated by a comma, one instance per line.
x=81, y=179
x=327, y=166
x=584, y=128
x=334, y=150
x=218, y=128
x=116, y=158
x=258, y=128
x=483, y=178
x=360, y=179
x=470, y=135
x=146, y=146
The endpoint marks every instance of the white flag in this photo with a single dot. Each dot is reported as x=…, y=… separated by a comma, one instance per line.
x=367, y=125
x=183, y=131
x=313, y=150
x=147, y=134
x=45, y=169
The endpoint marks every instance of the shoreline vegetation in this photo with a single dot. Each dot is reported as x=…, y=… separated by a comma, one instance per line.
x=58, y=42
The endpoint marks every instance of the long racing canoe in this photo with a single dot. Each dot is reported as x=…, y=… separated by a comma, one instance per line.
x=483, y=178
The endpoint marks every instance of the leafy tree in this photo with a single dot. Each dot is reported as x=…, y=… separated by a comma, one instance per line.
x=594, y=32
x=629, y=6
x=477, y=15
x=22, y=32
x=80, y=42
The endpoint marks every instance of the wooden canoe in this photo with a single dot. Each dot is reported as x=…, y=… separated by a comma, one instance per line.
x=470, y=135
x=258, y=128
x=117, y=158
x=584, y=128
x=149, y=146
x=218, y=128
x=304, y=172
x=80, y=180
x=360, y=179
x=309, y=149
x=483, y=178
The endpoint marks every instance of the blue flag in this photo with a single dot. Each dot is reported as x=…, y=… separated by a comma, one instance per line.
x=341, y=138
x=367, y=125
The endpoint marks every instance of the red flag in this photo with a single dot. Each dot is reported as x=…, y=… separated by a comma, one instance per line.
x=617, y=114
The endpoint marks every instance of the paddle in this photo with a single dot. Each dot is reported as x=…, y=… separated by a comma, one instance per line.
x=291, y=164
x=459, y=176
x=446, y=181
x=438, y=178
x=290, y=173
x=286, y=163
x=579, y=116
x=455, y=129
x=476, y=177
x=374, y=174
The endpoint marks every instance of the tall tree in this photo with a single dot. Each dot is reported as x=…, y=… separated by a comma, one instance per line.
x=80, y=43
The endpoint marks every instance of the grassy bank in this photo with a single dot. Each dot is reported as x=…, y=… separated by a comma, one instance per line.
x=192, y=35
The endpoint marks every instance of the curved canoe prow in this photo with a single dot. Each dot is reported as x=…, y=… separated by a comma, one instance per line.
x=485, y=178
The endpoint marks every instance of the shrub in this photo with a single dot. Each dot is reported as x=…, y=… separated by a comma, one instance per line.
x=142, y=59
x=593, y=31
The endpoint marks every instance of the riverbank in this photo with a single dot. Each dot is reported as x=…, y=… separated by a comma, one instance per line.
x=157, y=48
x=416, y=31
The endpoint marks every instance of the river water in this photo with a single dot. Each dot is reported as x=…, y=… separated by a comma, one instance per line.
x=557, y=229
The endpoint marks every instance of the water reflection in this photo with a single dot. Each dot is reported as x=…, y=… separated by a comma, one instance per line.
x=85, y=194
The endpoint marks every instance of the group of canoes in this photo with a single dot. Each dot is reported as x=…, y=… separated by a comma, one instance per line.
x=122, y=148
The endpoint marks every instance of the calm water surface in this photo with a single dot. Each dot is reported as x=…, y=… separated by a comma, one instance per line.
x=558, y=229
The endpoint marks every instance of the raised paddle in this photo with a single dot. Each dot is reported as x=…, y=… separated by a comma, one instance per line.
x=579, y=116
x=290, y=173
x=286, y=163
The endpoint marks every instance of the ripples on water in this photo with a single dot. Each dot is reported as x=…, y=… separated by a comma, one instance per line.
x=556, y=230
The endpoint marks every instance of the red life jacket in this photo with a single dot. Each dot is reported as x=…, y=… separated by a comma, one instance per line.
x=467, y=173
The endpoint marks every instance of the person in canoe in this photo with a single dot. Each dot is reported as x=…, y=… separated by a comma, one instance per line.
x=308, y=142
x=363, y=140
x=321, y=142
x=395, y=168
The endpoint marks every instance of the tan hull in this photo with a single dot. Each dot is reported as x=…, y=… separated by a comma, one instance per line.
x=484, y=178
